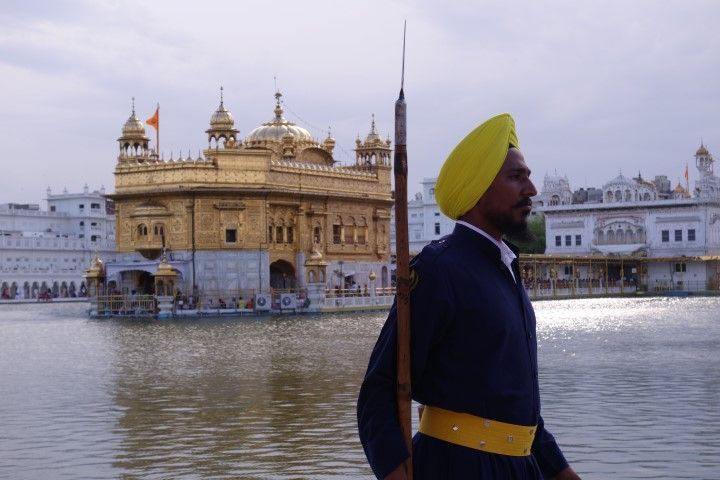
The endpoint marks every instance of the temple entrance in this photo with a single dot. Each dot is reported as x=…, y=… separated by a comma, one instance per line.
x=139, y=281
x=282, y=275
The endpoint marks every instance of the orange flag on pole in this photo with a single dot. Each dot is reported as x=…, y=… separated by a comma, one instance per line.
x=154, y=121
x=686, y=173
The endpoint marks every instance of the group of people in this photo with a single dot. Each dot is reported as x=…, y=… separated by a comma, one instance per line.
x=352, y=290
x=184, y=302
x=44, y=294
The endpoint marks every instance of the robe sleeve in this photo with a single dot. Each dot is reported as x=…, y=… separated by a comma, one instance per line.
x=547, y=452
x=378, y=424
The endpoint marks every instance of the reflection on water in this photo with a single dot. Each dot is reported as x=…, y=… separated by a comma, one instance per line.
x=631, y=389
x=227, y=398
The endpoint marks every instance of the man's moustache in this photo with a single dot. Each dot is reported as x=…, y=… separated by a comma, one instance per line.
x=525, y=202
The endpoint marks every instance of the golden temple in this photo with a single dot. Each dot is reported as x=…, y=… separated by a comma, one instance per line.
x=273, y=210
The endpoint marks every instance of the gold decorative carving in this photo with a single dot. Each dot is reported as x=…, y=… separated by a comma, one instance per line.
x=304, y=190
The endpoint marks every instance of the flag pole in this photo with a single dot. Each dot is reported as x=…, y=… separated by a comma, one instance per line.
x=402, y=272
x=157, y=131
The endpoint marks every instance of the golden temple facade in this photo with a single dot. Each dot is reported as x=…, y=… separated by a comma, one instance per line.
x=274, y=210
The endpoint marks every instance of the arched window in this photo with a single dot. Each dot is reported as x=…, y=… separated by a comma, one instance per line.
x=349, y=233
x=628, y=196
x=618, y=196
x=609, y=196
x=159, y=230
x=610, y=236
x=311, y=276
x=646, y=196
x=142, y=230
x=270, y=233
x=362, y=232
x=337, y=231
x=620, y=236
x=629, y=236
x=601, y=237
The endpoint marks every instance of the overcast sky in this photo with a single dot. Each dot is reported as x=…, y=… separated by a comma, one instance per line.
x=596, y=87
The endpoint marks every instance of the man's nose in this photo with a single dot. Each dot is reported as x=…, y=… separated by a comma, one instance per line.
x=529, y=189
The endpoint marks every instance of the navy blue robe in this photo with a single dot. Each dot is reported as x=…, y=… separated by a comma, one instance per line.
x=473, y=350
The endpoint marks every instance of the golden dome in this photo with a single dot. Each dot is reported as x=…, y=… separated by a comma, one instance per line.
x=679, y=189
x=222, y=118
x=274, y=130
x=329, y=140
x=164, y=268
x=373, y=136
x=97, y=269
x=133, y=126
x=702, y=150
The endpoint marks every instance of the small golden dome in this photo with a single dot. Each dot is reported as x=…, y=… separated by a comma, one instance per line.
x=702, y=150
x=329, y=140
x=164, y=268
x=133, y=126
x=222, y=118
x=97, y=268
x=373, y=136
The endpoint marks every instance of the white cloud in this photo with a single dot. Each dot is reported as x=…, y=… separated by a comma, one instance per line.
x=596, y=86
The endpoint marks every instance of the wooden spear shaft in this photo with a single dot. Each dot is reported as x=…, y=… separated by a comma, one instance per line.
x=402, y=273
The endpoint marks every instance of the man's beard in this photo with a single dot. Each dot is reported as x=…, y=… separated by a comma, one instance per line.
x=520, y=233
x=516, y=231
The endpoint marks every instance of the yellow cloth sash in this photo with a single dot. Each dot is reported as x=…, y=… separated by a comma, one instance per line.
x=476, y=432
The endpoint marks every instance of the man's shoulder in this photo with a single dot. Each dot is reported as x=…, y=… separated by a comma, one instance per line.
x=434, y=252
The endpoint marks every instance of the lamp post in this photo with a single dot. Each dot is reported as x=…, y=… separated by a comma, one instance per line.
x=342, y=278
x=372, y=278
x=576, y=280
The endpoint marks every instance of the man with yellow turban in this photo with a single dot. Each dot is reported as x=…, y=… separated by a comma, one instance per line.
x=473, y=347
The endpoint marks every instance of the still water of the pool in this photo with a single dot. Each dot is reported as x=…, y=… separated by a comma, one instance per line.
x=630, y=388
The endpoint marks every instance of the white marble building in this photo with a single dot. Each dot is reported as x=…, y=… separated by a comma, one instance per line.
x=425, y=220
x=677, y=233
x=48, y=251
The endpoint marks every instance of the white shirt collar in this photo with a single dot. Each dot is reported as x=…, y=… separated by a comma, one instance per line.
x=506, y=254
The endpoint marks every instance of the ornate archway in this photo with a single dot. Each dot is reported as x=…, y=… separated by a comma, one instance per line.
x=282, y=275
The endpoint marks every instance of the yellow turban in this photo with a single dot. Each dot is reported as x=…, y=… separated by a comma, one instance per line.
x=473, y=164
